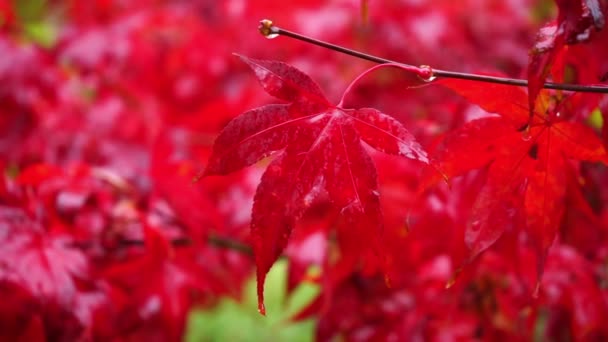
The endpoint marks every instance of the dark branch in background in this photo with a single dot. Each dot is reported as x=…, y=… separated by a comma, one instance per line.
x=234, y=245
x=212, y=240
x=268, y=29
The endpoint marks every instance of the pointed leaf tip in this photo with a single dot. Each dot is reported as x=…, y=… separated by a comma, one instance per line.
x=536, y=291
x=260, y=288
x=453, y=278
x=285, y=81
x=261, y=309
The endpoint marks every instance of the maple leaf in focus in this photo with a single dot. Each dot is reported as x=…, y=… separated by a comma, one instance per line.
x=527, y=169
x=319, y=154
x=573, y=25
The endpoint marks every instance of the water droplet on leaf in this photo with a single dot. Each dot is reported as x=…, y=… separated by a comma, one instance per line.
x=427, y=75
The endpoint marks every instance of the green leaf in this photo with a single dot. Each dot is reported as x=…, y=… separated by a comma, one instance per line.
x=231, y=320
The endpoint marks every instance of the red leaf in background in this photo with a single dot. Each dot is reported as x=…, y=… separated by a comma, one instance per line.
x=322, y=156
x=571, y=284
x=526, y=182
x=17, y=319
x=156, y=306
x=574, y=23
x=48, y=274
x=8, y=14
x=43, y=264
x=108, y=107
x=308, y=246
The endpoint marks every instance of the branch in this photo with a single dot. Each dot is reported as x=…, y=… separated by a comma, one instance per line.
x=222, y=242
x=269, y=30
x=212, y=239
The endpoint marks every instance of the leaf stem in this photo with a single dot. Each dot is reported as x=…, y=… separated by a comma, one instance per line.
x=268, y=29
x=424, y=73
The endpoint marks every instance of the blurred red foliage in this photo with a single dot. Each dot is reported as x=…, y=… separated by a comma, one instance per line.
x=110, y=111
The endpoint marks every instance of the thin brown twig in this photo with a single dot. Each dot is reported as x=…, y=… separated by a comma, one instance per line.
x=212, y=239
x=269, y=30
x=222, y=242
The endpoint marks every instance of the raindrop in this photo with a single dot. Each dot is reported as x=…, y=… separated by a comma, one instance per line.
x=431, y=77
x=525, y=135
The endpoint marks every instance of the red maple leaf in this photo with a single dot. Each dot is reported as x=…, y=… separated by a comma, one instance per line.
x=527, y=167
x=319, y=154
x=573, y=25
